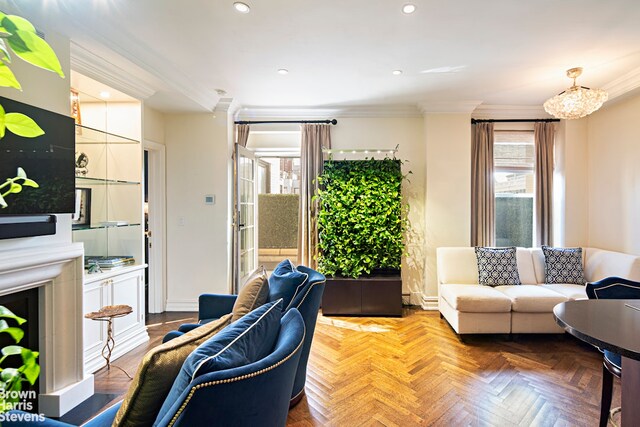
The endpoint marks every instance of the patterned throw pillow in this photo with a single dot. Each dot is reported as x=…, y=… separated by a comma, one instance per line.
x=497, y=266
x=563, y=265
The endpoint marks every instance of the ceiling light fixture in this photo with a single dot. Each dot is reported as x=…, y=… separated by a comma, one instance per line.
x=396, y=72
x=241, y=7
x=576, y=101
x=283, y=71
x=104, y=94
x=408, y=8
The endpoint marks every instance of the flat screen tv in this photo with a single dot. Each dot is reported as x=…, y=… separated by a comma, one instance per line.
x=47, y=160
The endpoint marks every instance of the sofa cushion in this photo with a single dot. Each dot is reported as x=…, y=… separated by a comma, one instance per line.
x=526, y=270
x=497, y=266
x=286, y=282
x=457, y=265
x=475, y=298
x=156, y=373
x=563, y=265
x=599, y=264
x=244, y=341
x=569, y=290
x=531, y=298
x=252, y=295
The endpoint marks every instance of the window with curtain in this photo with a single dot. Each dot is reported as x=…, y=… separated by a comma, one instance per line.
x=514, y=159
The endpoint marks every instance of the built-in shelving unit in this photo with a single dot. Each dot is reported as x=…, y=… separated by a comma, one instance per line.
x=109, y=196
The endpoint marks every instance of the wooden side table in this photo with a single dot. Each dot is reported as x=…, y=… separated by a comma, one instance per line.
x=107, y=314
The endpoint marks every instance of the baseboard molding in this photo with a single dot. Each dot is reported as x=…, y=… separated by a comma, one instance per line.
x=429, y=303
x=182, y=305
x=123, y=345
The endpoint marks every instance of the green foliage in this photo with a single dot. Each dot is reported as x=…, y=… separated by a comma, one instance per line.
x=362, y=219
x=22, y=39
x=11, y=379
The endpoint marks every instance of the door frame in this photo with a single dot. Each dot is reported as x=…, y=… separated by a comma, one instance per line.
x=157, y=225
x=243, y=151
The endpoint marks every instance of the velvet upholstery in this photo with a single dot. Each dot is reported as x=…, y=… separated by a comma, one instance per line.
x=286, y=282
x=307, y=300
x=611, y=288
x=249, y=395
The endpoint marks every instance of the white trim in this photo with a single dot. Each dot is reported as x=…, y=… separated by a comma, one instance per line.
x=510, y=112
x=623, y=84
x=361, y=111
x=448, y=107
x=429, y=303
x=92, y=65
x=157, y=225
x=182, y=305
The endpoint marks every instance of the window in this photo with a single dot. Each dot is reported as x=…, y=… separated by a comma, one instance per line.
x=513, y=155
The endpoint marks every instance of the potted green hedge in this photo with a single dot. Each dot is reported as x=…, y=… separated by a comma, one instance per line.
x=361, y=225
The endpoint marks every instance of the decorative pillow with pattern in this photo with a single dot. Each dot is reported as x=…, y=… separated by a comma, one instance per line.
x=563, y=265
x=497, y=266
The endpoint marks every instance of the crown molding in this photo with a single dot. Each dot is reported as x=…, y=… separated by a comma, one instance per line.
x=510, y=112
x=97, y=68
x=361, y=111
x=448, y=107
x=623, y=84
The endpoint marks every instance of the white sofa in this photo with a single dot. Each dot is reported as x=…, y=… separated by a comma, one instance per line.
x=471, y=308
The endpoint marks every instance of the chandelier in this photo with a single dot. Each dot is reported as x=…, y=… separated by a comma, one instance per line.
x=576, y=101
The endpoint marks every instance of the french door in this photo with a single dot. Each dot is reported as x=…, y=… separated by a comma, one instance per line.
x=245, y=223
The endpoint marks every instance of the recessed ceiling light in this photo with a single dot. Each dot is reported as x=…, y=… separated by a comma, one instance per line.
x=283, y=71
x=241, y=7
x=396, y=72
x=408, y=8
x=104, y=94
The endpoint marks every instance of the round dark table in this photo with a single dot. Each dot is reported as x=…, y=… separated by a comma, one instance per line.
x=610, y=325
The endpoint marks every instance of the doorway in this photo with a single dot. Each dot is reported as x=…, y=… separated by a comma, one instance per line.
x=155, y=226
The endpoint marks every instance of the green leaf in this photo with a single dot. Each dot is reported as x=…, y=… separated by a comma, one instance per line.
x=13, y=23
x=3, y=204
x=15, y=188
x=5, y=50
x=10, y=374
x=7, y=78
x=21, y=173
x=30, y=369
x=5, y=313
x=30, y=183
x=11, y=350
x=2, y=125
x=34, y=50
x=22, y=125
x=16, y=333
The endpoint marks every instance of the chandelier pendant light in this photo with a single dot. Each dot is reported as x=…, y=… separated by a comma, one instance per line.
x=576, y=101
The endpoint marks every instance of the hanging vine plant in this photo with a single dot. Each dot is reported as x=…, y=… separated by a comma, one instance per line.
x=362, y=219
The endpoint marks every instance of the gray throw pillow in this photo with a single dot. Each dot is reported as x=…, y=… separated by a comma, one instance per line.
x=563, y=265
x=497, y=266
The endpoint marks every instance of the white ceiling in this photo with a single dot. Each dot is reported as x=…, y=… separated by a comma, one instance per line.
x=341, y=53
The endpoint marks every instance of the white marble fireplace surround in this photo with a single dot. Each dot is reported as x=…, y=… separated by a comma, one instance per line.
x=57, y=271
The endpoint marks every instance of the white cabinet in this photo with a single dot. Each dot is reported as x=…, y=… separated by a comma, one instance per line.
x=113, y=288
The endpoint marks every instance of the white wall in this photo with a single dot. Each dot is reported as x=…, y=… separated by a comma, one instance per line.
x=386, y=133
x=46, y=90
x=153, y=125
x=614, y=177
x=197, y=234
x=448, y=193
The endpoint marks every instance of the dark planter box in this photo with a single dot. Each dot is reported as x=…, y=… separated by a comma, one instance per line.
x=366, y=296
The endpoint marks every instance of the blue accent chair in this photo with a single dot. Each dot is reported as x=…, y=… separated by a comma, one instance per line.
x=611, y=288
x=307, y=301
x=250, y=395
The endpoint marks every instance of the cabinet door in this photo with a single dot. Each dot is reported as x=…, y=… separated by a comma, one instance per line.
x=128, y=289
x=94, y=332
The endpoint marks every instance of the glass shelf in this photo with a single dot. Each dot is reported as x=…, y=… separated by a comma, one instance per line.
x=87, y=135
x=103, y=181
x=102, y=226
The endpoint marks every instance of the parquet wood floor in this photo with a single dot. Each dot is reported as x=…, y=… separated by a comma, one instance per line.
x=415, y=371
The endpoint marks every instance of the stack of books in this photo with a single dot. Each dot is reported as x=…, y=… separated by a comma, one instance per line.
x=109, y=262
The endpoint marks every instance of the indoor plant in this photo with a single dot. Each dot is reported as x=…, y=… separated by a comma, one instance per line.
x=361, y=225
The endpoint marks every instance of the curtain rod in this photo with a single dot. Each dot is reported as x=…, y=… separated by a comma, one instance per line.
x=474, y=121
x=261, y=122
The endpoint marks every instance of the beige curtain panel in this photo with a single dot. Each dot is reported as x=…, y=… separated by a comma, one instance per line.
x=242, y=135
x=314, y=138
x=482, y=186
x=544, y=136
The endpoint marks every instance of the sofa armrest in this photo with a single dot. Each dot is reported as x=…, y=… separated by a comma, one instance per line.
x=214, y=306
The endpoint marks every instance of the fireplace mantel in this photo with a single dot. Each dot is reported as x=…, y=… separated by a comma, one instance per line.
x=57, y=270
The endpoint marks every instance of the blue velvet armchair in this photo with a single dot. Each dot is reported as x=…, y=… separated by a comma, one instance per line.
x=307, y=301
x=249, y=395
x=611, y=288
